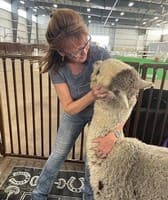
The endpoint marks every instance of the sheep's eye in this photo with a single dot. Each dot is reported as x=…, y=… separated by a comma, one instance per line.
x=98, y=72
x=116, y=92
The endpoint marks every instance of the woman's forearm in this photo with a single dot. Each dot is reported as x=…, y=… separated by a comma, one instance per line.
x=77, y=106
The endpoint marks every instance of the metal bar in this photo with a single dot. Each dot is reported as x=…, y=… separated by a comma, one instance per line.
x=58, y=113
x=165, y=121
x=157, y=108
x=138, y=105
x=165, y=118
x=114, y=5
x=33, y=108
x=24, y=105
x=148, y=107
x=49, y=113
x=25, y=57
x=81, y=145
x=73, y=152
x=16, y=105
x=147, y=113
x=163, y=78
x=8, y=104
x=41, y=113
x=40, y=157
x=2, y=132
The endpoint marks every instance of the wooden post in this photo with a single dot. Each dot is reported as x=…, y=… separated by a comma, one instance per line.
x=2, y=138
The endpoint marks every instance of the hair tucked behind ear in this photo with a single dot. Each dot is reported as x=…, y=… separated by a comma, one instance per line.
x=63, y=24
x=52, y=58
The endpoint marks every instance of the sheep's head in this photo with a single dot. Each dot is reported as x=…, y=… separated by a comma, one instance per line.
x=122, y=81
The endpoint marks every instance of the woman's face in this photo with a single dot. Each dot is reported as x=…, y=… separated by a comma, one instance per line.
x=77, y=49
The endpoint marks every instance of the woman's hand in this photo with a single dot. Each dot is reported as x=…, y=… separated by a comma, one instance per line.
x=99, y=92
x=105, y=145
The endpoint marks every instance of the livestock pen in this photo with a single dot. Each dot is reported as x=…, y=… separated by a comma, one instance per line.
x=30, y=112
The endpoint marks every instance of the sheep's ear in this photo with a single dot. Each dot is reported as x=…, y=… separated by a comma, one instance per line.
x=143, y=84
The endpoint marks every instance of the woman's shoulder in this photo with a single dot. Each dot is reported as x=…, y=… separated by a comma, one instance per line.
x=95, y=48
x=54, y=69
x=98, y=52
x=57, y=76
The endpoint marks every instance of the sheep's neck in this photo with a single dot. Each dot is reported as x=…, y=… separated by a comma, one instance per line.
x=112, y=115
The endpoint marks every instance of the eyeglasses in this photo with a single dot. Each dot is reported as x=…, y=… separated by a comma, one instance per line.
x=80, y=51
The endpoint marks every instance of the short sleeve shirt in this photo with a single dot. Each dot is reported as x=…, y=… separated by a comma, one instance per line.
x=79, y=85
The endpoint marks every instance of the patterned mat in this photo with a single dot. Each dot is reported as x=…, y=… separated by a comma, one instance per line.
x=22, y=180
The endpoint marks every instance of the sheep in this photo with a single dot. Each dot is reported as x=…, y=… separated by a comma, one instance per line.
x=133, y=170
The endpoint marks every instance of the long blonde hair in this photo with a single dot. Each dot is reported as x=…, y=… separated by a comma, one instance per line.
x=63, y=24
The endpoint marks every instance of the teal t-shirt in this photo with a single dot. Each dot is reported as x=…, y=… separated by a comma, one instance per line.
x=79, y=85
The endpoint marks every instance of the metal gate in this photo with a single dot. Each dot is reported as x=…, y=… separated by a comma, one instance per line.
x=30, y=110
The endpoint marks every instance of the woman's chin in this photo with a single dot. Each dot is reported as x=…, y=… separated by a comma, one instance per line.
x=82, y=59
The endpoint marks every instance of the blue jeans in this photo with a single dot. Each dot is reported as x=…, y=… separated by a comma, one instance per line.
x=69, y=130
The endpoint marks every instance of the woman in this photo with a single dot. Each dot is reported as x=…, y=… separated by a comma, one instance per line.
x=69, y=61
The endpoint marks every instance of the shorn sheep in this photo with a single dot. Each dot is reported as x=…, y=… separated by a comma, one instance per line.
x=133, y=170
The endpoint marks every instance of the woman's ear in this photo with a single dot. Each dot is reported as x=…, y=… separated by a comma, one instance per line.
x=61, y=53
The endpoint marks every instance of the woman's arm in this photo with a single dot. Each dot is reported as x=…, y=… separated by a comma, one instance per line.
x=75, y=106
x=106, y=143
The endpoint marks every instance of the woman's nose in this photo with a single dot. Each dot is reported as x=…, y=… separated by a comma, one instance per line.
x=85, y=50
